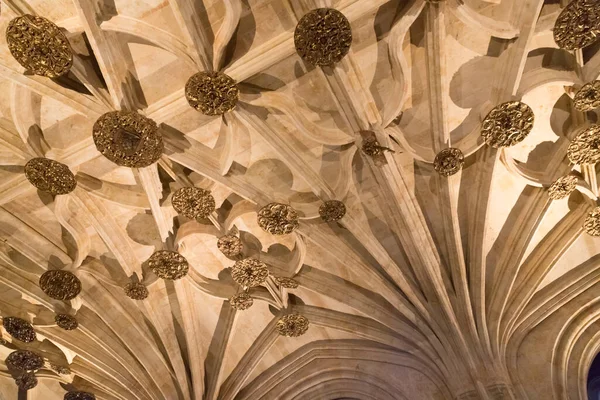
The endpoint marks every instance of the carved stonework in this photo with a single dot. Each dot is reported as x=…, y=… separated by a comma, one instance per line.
x=507, y=124
x=60, y=369
x=448, y=161
x=24, y=360
x=249, y=272
x=332, y=210
x=323, y=36
x=60, y=285
x=591, y=225
x=26, y=381
x=585, y=148
x=578, y=25
x=50, y=176
x=287, y=283
x=292, y=325
x=193, y=202
x=278, y=219
x=212, y=93
x=230, y=245
x=19, y=329
x=136, y=291
x=562, y=187
x=39, y=46
x=66, y=321
x=372, y=148
x=128, y=139
x=241, y=301
x=79, y=396
x=168, y=264
x=588, y=97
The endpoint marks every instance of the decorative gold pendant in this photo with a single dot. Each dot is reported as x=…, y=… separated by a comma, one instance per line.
x=249, y=272
x=136, y=291
x=168, y=264
x=24, y=360
x=449, y=161
x=585, y=148
x=588, y=97
x=241, y=301
x=60, y=285
x=26, y=381
x=323, y=36
x=578, y=25
x=39, y=46
x=50, y=176
x=507, y=124
x=562, y=187
x=591, y=225
x=230, y=245
x=212, y=93
x=19, y=329
x=66, y=321
x=278, y=219
x=292, y=325
x=193, y=202
x=332, y=210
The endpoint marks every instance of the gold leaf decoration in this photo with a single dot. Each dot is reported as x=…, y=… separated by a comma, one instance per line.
x=507, y=124
x=591, y=225
x=39, y=46
x=292, y=325
x=578, y=25
x=562, y=187
x=136, y=291
x=585, y=148
x=287, y=283
x=168, y=264
x=26, y=381
x=19, y=329
x=60, y=285
x=372, y=148
x=50, y=176
x=66, y=321
x=79, y=396
x=128, y=139
x=230, y=245
x=212, y=93
x=24, y=360
x=332, y=210
x=193, y=202
x=323, y=36
x=241, y=301
x=278, y=219
x=249, y=272
x=588, y=97
x=448, y=161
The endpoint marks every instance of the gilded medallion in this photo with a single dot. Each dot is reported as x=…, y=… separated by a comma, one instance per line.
x=230, y=245
x=323, y=36
x=193, y=202
x=60, y=285
x=278, y=219
x=585, y=148
x=507, y=124
x=168, y=264
x=249, y=272
x=212, y=93
x=19, y=329
x=332, y=210
x=50, y=176
x=292, y=325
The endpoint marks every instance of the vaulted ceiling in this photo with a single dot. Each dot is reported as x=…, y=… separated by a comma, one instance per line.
x=478, y=283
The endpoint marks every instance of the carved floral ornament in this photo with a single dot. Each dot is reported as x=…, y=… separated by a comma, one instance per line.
x=136, y=291
x=60, y=285
x=372, y=148
x=39, y=46
x=278, y=219
x=66, y=321
x=507, y=124
x=128, y=139
x=588, y=97
x=74, y=395
x=193, y=202
x=230, y=245
x=578, y=25
x=292, y=325
x=168, y=264
x=19, y=329
x=249, y=272
x=562, y=187
x=585, y=148
x=212, y=93
x=332, y=210
x=287, y=283
x=50, y=176
x=26, y=381
x=24, y=360
x=449, y=161
x=323, y=36
x=241, y=301
x=591, y=225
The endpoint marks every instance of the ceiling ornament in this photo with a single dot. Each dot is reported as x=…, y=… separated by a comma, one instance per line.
x=50, y=176
x=60, y=369
x=168, y=264
x=585, y=148
x=230, y=245
x=66, y=321
x=332, y=210
x=241, y=301
x=323, y=36
x=19, y=329
x=39, y=46
x=193, y=202
x=212, y=93
x=128, y=139
x=578, y=25
x=278, y=219
x=79, y=396
x=249, y=272
x=24, y=360
x=588, y=97
x=136, y=291
x=372, y=148
x=562, y=187
x=60, y=285
x=507, y=124
x=26, y=381
x=591, y=225
x=448, y=161
x=292, y=325
x=287, y=283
